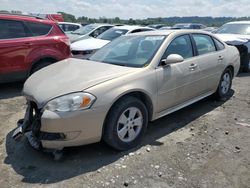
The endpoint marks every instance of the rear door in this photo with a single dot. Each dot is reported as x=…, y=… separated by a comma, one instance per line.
x=209, y=60
x=14, y=47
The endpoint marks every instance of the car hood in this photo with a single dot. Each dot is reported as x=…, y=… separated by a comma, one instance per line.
x=70, y=75
x=234, y=38
x=76, y=37
x=88, y=44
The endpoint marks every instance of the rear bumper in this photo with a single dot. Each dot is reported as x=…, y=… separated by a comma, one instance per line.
x=53, y=130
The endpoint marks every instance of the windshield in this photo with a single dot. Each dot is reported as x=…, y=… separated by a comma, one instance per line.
x=84, y=30
x=111, y=34
x=242, y=29
x=131, y=51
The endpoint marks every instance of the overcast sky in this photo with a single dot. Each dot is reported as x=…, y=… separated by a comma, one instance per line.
x=133, y=8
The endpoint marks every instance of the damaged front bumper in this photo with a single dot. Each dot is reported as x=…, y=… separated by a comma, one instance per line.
x=57, y=130
x=30, y=127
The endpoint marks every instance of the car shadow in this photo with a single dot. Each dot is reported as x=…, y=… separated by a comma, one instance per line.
x=38, y=167
x=11, y=90
x=243, y=74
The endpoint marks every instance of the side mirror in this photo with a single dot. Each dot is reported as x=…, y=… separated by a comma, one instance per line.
x=172, y=59
x=94, y=34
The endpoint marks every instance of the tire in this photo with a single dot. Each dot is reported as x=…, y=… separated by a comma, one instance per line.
x=120, y=132
x=40, y=65
x=224, y=85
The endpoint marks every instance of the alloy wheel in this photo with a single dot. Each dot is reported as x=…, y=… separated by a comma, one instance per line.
x=129, y=124
x=225, y=83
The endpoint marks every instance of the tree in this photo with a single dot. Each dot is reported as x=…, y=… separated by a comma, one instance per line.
x=68, y=17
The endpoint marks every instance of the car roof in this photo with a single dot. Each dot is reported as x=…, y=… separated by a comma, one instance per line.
x=131, y=27
x=25, y=18
x=69, y=23
x=239, y=22
x=188, y=24
x=100, y=24
x=168, y=32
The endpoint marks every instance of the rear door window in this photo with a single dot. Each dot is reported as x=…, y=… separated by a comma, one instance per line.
x=204, y=44
x=10, y=29
x=38, y=29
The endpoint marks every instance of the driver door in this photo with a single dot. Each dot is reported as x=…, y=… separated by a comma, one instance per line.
x=177, y=83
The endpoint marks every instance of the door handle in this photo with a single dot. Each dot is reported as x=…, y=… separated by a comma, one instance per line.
x=220, y=58
x=193, y=66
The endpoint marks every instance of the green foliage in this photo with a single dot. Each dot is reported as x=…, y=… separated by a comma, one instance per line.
x=68, y=17
x=170, y=21
x=208, y=21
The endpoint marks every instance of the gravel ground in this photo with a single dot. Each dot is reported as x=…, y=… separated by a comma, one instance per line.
x=204, y=145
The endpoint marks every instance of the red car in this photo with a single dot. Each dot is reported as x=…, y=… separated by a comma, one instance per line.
x=28, y=44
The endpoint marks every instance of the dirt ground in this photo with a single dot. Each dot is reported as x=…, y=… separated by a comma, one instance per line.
x=204, y=145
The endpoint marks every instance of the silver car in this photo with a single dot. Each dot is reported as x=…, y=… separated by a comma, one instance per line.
x=132, y=80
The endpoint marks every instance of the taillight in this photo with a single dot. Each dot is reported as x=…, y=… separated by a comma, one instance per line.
x=66, y=40
x=63, y=39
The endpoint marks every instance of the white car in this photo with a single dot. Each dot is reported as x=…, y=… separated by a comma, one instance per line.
x=68, y=26
x=238, y=34
x=91, y=30
x=84, y=48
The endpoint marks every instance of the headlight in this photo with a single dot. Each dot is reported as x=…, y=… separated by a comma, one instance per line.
x=71, y=102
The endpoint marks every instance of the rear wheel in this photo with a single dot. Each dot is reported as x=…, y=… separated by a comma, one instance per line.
x=126, y=124
x=225, y=84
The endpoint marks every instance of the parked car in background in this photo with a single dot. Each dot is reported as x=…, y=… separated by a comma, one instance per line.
x=210, y=29
x=90, y=30
x=53, y=17
x=69, y=27
x=188, y=26
x=28, y=44
x=84, y=48
x=156, y=26
x=238, y=34
x=135, y=79
x=165, y=28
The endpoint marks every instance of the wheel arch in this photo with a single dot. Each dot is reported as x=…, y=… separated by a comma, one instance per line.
x=42, y=59
x=231, y=68
x=142, y=96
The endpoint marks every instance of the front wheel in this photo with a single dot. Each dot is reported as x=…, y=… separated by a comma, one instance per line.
x=225, y=84
x=126, y=124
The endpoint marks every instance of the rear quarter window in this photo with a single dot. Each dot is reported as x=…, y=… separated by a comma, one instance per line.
x=219, y=45
x=38, y=29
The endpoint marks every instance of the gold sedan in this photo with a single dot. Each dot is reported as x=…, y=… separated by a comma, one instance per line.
x=115, y=93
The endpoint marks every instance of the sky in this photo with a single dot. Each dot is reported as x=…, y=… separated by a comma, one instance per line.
x=133, y=8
